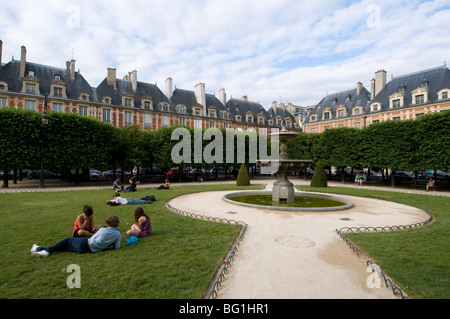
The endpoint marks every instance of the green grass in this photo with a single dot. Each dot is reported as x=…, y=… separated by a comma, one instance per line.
x=417, y=259
x=177, y=261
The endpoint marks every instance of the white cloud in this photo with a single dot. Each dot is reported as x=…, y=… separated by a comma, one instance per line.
x=283, y=50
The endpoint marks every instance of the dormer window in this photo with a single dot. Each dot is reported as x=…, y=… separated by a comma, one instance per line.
x=341, y=111
x=420, y=95
x=375, y=107
x=147, y=103
x=128, y=100
x=107, y=100
x=443, y=94
x=30, y=88
x=57, y=92
x=396, y=100
x=424, y=84
x=57, y=77
x=181, y=109
x=420, y=99
x=31, y=74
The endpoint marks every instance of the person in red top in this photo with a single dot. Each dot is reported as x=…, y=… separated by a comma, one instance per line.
x=83, y=226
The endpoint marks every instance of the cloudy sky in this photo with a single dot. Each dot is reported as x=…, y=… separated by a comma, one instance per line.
x=272, y=50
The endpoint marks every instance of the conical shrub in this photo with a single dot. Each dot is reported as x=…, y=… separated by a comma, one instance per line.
x=319, y=178
x=243, y=179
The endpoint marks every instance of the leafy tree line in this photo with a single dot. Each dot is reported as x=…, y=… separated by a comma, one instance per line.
x=71, y=141
x=413, y=145
x=74, y=142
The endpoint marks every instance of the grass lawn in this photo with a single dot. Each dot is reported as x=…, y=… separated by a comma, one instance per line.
x=177, y=261
x=418, y=259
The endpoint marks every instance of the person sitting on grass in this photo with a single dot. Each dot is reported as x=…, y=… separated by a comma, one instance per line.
x=118, y=187
x=83, y=226
x=106, y=238
x=143, y=227
x=166, y=185
x=119, y=200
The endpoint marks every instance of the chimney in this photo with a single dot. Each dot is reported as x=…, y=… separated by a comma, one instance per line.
x=380, y=81
x=23, y=61
x=359, y=87
x=245, y=98
x=169, y=87
x=71, y=67
x=133, y=80
x=372, y=89
x=274, y=106
x=200, y=95
x=223, y=96
x=1, y=49
x=111, y=77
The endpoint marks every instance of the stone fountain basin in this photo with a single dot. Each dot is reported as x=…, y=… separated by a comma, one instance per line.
x=345, y=203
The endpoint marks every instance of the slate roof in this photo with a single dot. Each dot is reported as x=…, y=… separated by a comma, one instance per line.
x=349, y=98
x=9, y=73
x=124, y=86
x=242, y=107
x=437, y=78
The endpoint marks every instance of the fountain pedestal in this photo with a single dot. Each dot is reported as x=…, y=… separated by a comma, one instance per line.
x=283, y=189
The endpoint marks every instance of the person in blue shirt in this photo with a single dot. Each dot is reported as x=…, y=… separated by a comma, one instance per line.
x=105, y=238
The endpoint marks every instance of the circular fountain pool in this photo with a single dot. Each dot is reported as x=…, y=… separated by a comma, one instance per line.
x=302, y=202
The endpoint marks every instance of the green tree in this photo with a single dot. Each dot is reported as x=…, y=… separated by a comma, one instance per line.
x=243, y=179
x=319, y=178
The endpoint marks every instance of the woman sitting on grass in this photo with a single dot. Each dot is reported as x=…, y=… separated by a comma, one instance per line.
x=106, y=238
x=143, y=226
x=83, y=226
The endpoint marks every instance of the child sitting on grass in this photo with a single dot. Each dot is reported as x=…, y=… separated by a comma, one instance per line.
x=143, y=226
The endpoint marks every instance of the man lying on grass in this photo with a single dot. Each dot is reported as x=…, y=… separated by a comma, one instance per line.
x=105, y=238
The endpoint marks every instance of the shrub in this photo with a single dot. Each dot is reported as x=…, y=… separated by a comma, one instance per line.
x=319, y=178
x=243, y=179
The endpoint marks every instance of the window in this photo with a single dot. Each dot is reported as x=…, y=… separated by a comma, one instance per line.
x=225, y=124
x=127, y=102
x=31, y=74
x=419, y=115
x=197, y=111
x=397, y=118
x=57, y=107
x=147, y=105
x=420, y=99
x=147, y=120
x=197, y=123
x=341, y=113
x=212, y=113
x=357, y=111
x=182, y=121
x=395, y=104
x=127, y=118
x=83, y=110
x=326, y=115
x=30, y=105
x=182, y=109
x=165, y=121
x=57, y=77
x=58, y=92
x=106, y=115
x=445, y=95
x=212, y=124
x=2, y=102
x=250, y=119
x=31, y=88
x=357, y=125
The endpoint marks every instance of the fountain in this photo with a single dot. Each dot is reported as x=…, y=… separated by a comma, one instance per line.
x=283, y=195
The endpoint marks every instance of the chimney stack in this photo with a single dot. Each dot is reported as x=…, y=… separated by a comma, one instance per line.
x=359, y=87
x=133, y=79
x=1, y=49
x=23, y=61
x=111, y=77
x=380, y=81
x=71, y=65
x=200, y=95
x=223, y=96
x=274, y=106
x=169, y=87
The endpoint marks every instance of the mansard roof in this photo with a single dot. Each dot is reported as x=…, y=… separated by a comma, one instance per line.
x=9, y=73
x=434, y=80
x=347, y=98
x=124, y=87
x=242, y=107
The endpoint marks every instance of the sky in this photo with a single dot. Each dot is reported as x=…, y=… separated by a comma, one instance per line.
x=288, y=51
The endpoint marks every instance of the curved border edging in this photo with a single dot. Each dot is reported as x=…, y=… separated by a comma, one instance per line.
x=215, y=283
x=396, y=290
